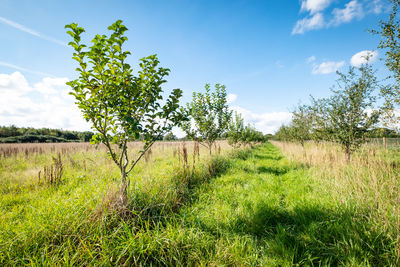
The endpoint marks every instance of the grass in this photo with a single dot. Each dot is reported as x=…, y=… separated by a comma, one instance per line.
x=261, y=207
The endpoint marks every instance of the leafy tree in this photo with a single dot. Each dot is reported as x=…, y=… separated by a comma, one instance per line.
x=236, y=130
x=170, y=137
x=251, y=136
x=319, y=120
x=209, y=114
x=282, y=134
x=121, y=106
x=301, y=125
x=85, y=136
x=390, y=42
x=350, y=110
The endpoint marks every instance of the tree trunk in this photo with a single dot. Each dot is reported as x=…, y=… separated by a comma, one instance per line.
x=210, y=148
x=347, y=155
x=124, y=187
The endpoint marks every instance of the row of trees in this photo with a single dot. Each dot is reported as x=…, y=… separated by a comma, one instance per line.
x=13, y=134
x=123, y=106
x=345, y=117
x=351, y=113
x=241, y=135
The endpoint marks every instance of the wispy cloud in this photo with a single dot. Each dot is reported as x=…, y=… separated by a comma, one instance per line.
x=320, y=17
x=352, y=10
x=327, y=67
x=313, y=23
x=12, y=66
x=30, y=31
x=311, y=59
x=314, y=6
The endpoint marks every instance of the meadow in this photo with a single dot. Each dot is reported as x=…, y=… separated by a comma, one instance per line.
x=274, y=204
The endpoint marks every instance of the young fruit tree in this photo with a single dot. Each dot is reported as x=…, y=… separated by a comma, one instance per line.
x=251, y=136
x=236, y=130
x=301, y=125
x=209, y=116
x=350, y=110
x=321, y=129
x=390, y=42
x=121, y=106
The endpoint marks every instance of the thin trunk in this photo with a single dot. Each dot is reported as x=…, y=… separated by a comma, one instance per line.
x=124, y=186
x=347, y=155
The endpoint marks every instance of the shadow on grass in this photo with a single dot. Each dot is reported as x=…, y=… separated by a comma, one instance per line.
x=154, y=208
x=274, y=170
x=268, y=157
x=314, y=236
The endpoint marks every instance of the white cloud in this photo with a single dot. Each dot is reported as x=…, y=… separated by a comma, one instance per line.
x=268, y=122
x=376, y=6
x=352, y=10
x=44, y=104
x=313, y=23
x=327, y=67
x=231, y=98
x=30, y=31
x=314, y=6
x=318, y=18
x=363, y=57
x=311, y=59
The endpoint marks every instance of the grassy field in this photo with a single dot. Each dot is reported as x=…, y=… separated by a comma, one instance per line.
x=274, y=205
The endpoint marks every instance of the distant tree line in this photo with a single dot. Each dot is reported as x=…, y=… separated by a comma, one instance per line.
x=13, y=134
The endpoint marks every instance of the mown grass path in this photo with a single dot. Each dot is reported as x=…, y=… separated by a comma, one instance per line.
x=267, y=211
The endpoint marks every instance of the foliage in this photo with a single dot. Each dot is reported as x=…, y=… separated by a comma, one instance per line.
x=390, y=42
x=251, y=136
x=382, y=132
x=346, y=117
x=209, y=114
x=282, y=134
x=239, y=134
x=236, y=130
x=351, y=108
x=121, y=106
x=13, y=134
x=170, y=137
x=301, y=125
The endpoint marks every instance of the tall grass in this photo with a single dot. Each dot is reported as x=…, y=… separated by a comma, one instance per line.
x=42, y=221
x=370, y=182
x=243, y=207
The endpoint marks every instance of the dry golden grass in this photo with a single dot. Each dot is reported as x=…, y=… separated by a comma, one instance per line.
x=371, y=180
x=20, y=164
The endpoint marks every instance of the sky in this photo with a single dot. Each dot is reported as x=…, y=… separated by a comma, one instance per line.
x=270, y=54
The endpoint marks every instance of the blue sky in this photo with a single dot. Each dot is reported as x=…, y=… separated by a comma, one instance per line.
x=270, y=54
